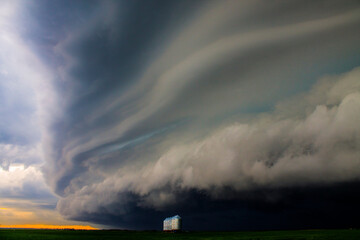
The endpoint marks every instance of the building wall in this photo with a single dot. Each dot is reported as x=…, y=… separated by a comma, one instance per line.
x=176, y=224
x=171, y=224
x=167, y=224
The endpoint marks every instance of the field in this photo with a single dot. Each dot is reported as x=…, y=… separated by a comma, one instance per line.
x=9, y=234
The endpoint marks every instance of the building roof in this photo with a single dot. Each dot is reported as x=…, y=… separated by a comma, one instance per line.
x=173, y=217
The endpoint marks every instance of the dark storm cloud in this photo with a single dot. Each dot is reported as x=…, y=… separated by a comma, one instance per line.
x=332, y=206
x=172, y=106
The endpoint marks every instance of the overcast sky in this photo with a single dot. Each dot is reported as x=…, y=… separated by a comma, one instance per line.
x=233, y=114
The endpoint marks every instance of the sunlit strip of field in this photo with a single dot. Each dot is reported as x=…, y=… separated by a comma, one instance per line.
x=46, y=226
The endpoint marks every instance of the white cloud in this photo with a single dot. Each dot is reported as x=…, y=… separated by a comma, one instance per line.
x=23, y=182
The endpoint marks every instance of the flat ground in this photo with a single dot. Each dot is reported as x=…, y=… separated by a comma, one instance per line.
x=144, y=235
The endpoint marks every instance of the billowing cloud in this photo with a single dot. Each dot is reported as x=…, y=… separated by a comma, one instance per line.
x=26, y=183
x=316, y=146
x=164, y=103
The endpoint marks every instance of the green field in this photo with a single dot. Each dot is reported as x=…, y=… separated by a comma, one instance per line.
x=102, y=234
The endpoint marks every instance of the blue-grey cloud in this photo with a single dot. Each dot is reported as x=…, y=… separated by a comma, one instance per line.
x=24, y=91
x=247, y=77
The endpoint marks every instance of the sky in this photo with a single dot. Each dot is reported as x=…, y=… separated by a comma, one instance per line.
x=235, y=115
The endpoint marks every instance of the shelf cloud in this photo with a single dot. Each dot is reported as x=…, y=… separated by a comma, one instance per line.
x=140, y=109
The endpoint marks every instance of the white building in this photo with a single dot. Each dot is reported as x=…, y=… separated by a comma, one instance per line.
x=172, y=223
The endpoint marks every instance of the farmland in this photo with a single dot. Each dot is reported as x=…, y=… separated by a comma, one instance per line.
x=12, y=234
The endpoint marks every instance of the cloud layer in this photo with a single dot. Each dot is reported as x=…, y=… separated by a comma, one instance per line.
x=317, y=145
x=153, y=106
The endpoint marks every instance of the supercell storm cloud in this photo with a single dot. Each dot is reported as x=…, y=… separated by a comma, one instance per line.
x=198, y=107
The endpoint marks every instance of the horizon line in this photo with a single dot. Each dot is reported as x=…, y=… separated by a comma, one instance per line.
x=48, y=226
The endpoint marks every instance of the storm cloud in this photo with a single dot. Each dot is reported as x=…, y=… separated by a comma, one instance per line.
x=182, y=106
x=314, y=143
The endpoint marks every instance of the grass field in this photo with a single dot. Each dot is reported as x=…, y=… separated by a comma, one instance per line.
x=144, y=235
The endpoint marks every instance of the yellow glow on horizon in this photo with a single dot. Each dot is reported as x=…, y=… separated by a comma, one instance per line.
x=46, y=226
x=28, y=215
